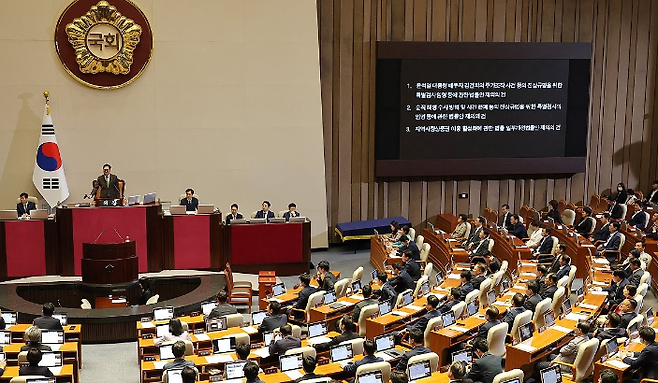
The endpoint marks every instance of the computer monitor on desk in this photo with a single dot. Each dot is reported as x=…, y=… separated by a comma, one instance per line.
x=525, y=331
x=238, y=221
x=62, y=317
x=216, y=324
x=10, y=318
x=5, y=337
x=206, y=208
x=278, y=289
x=551, y=374
x=419, y=370
x=222, y=345
x=235, y=370
x=174, y=376
x=8, y=214
x=257, y=317
x=51, y=359
x=341, y=352
x=166, y=352
x=52, y=336
x=464, y=356
x=290, y=362
x=300, y=219
x=163, y=313
x=39, y=214
x=277, y=220
x=257, y=220
x=149, y=198
x=384, y=307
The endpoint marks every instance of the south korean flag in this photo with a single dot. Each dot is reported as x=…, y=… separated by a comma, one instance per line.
x=49, y=177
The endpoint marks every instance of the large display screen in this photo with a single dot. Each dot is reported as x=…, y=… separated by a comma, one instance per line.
x=481, y=108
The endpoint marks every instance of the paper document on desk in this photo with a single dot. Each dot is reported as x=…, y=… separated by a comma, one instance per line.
x=221, y=358
x=576, y=317
x=454, y=276
x=451, y=240
x=399, y=313
x=414, y=307
x=201, y=336
x=561, y=329
x=357, y=296
x=499, y=303
x=593, y=292
x=318, y=340
x=600, y=283
x=526, y=264
x=276, y=300
x=347, y=303
x=384, y=356
x=525, y=347
x=119, y=300
x=394, y=256
x=294, y=374
x=588, y=306
x=159, y=364
x=458, y=328
x=344, y=363
x=148, y=325
x=55, y=370
x=54, y=347
x=250, y=330
x=617, y=363
x=601, y=260
x=458, y=249
x=262, y=352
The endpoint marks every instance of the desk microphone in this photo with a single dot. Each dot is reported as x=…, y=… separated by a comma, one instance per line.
x=99, y=235
x=117, y=233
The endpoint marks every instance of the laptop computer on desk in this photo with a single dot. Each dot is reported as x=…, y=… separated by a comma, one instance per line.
x=386, y=344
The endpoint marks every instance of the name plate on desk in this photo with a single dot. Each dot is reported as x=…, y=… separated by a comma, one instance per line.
x=109, y=202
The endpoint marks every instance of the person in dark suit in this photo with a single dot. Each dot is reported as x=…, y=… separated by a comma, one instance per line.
x=456, y=373
x=639, y=218
x=234, y=214
x=554, y=213
x=493, y=264
x=550, y=286
x=190, y=202
x=188, y=375
x=610, y=329
x=585, y=225
x=47, y=322
x=308, y=364
x=451, y=300
x=324, y=277
x=487, y=366
x=411, y=246
x=474, y=238
x=402, y=281
x=222, y=308
x=480, y=269
x=432, y=312
x=516, y=227
x=288, y=342
x=251, y=371
x=477, y=252
x=346, y=327
x=146, y=294
x=636, y=272
x=387, y=290
x=491, y=316
x=627, y=311
x=33, y=340
x=567, y=353
x=292, y=212
x=369, y=349
x=179, y=362
x=565, y=266
x=646, y=360
x=603, y=233
x=23, y=208
x=34, y=357
x=652, y=230
x=410, y=265
x=274, y=318
x=622, y=194
x=368, y=300
x=518, y=300
x=416, y=341
x=652, y=195
x=265, y=211
x=532, y=295
x=615, y=210
x=505, y=216
x=305, y=292
x=108, y=183
x=465, y=286
x=616, y=289
x=545, y=245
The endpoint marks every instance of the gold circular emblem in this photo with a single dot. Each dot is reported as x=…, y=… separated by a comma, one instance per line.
x=110, y=48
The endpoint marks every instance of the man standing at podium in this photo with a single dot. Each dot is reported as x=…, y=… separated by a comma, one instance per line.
x=109, y=183
x=190, y=202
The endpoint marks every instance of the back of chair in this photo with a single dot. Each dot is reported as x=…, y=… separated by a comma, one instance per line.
x=324, y=379
x=281, y=213
x=314, y=300
x=419, y=283
x=305, y=351
x=556, y=243
x=400, y=301
x=497, y=281
x=296, y=331
x=153, y=300
x=646, y=277
x=504, y=265
x=584, y=363
x=428, y=268
x=384, y=367
x=366, y=313
x=412, y=233
x=469, y=227
x=642, y=290
x=496, y=339
x=85, y=304
x=562, y=282
x=432, y=357
x=520, y=320
x=637, y=321
x=485, y=286
x=624, y=210
x=425, y=252
x=540, y=310
x=340, y=287
x=22, y=357
x=420, y=239
x=228, y=275
x=561, y=205
x=558, y=298
x=568, y=217
x=593, y=229
x=234, y=320
x=491, y=245
x=621, y=242
x=357, y=345
x=431, y=325
x=572, y=275
x=509, y=375
x=594, y=201
x=358, y=274
x=473, y=295
x=23, y=378
x=458, y=309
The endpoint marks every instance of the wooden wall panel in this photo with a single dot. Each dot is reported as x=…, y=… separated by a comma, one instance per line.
x=622, y=142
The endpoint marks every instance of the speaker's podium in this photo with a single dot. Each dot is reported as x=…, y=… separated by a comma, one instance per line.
x=109, y=263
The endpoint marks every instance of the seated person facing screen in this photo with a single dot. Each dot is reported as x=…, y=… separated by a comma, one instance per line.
x=567, y=354
x=368, y=300
x=265, y=211
x=584, y=226
x=409, y=245
x=416, y=341
x=234, y=214
x=647, y=359
x=305, y=292
x=403, y=280
x=33, y=340
x=532, y=295
x=274, y=318
x=535, y=237
x=23, y=208
x=190, y=202
x=146, y=293
x=451, y=299
x=516, y=227
x=369, y=349
x=460, y=230
x=386, y=290
x=518, y=300
x=410, y=265
x=34, y=357
x=292, y=212
x=288, y=342
x=325, y=278
x=346, y=327
x=487, y=365
x=638, y=219
x=178, y=349
x=222, y=308
x=553, y=212
x=175, y=333
x=477, y=252
x=47, y=322
x=251, y=370
x=421, y=324
x=308, y=364
x=188, y=375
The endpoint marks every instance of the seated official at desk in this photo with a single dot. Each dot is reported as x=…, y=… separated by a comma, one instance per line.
x=308, y=364
x=491, y=315
x=288, y=342
x=265, y=211
x=146, y=293
x=610, y=329
x=108, y=183
x=402, y=281
x=636, y=272
x=410, y=265
x=465, y=286
x=188, y=375
x=460, y=230
x=292, y=212
x=616, y=289
x=545, y=245
x=481, y=249
x=586, y=223
x=386, y=290
x=404, y=232
x=234, y=214
x=652, y=231
x=638, y=219
x=517, y=229
x=274, y=318
x=346, y=327
x=603, y=233
x=178, y=349
x=305, y=292
x=487, y=365
x=535, y=237
x=251, y=371
x=568, y=353
x=456, y=373
x=368, y=300
x=33, y=340
x=369, y=349
x=479, y=275
x=325, y=278
x=550, y=286
x=474, y=238
x=421, y=324
x=190, y=202
x=34, y=357
x=532, y=295
x=222, y=308
x=627, y=311
x=411, y=246
x=647, y=359
x=454, y=297
x=518, y=300
x=175, y=333
x=416, y=340
x=23, y=208
x=47, y=322
x=554, y=213
x=564, y=266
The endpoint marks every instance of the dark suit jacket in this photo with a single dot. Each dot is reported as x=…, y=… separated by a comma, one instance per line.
x=272, y=322
x=466, y=288
x=280, y=346
x=555, y=215
x=111, y=190
x=48, y=323
x=549, y=291
x=485, y=369
x=646, y=360
x=421, y=324
x=327, y=284
x=505, y=220
x=635, y=277
x=484, y=329
x=303, y=297
x=40, y=346
x=545, y=245
x=308, y=376
x=352, y=367
x=360, y=305
x=481, y=249
x=413, y=269
x=387, y=292
x=178, y=364
x=638, y=220
x=402, y=282
x=261, y=214
x=35, y=370
x=190, y=205
x=222, y=310
x=230, y=217
x=518, y=230
x=610, y=333
x=653, y=199
x=418, y=350
x=616, y=291
x=616, y=212
x=474, y=238
x=626, y=319
x=144, y=297
x=602, y=234
x=563, y=271
x=20, y=208
x=287, y=215
x=511, y=314
x=477, y=280
x=347, y=335
x=532, y=302
x=584, y=226
x=3, y=325
x=415, y=252
x=447, y=306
